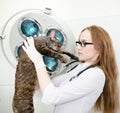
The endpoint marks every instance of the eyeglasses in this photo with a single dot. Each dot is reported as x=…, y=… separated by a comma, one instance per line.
x=83, y=44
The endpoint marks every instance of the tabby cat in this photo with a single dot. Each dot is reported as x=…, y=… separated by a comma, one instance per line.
x=26, y=78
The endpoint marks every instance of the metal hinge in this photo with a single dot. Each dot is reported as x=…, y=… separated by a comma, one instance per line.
x=2, y=37
x=48, y=11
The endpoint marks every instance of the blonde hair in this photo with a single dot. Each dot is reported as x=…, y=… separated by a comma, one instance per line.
x=108, y=102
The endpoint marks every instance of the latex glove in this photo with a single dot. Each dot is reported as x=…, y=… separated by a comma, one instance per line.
x=32, y=53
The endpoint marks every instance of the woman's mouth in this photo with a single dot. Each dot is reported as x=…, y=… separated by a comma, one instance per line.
x=79, y=53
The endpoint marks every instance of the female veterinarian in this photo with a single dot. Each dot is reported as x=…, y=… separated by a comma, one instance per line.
x=96, y=86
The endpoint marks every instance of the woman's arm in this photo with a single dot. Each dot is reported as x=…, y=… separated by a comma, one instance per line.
x=43, y=77
x=91, y=81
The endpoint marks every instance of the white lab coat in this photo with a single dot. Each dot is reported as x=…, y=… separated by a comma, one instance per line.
x=78, y=95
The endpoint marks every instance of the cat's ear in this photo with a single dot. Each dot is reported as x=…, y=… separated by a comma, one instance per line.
x=51, y=38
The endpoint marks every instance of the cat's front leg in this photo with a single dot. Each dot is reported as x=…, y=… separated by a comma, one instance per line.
x=72, y=56
x=51, y=53
x=61, y=58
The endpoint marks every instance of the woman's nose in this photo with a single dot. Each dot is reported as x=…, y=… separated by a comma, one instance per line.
x=79, y=47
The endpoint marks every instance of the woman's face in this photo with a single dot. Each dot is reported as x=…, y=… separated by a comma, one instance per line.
x=86, y=52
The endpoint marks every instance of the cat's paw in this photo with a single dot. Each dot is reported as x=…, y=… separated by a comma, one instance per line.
x=64, y=60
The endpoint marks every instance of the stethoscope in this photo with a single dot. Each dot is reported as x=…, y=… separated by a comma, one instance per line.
x=75, y=67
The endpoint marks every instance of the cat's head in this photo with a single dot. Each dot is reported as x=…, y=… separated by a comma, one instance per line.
x=53, y=43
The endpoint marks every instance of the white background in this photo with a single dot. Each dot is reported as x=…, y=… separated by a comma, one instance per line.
x=67, y=9
x=76, y=13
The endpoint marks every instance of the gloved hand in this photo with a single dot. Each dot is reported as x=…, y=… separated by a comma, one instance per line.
x=32, y=53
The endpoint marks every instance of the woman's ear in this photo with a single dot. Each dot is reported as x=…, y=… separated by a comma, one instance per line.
x=97, y=53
